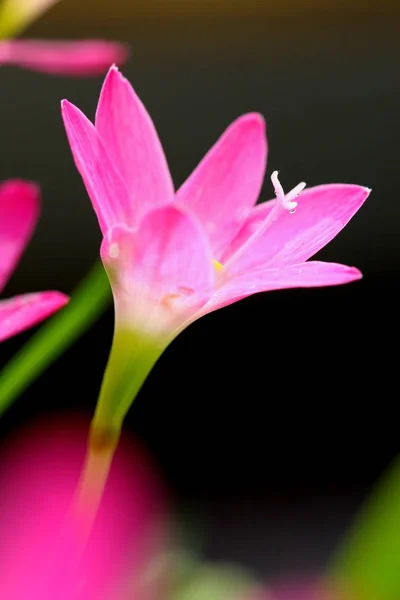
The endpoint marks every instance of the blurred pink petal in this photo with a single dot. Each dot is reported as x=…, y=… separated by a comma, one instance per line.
x=227, y=182
x=19, y=209
x=38, y=536
x=132, y=143
x=86, y=57
x=21, y=312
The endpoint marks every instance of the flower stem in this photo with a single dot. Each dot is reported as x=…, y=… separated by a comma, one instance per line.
x=131, y=359
x=99, y=455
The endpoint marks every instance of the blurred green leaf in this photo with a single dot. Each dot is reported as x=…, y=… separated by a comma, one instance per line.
x=16, y=15
x=368, y=562
x=88, y=302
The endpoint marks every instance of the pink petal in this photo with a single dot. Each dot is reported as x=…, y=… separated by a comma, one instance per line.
x=293, y=238
x=21, y=312
x=19, y=210
x=228, y=180
x=87, y=57
x=172, y=253
x=308, y=274
x=160, y=273
x=104, y=184
x=250, y=224
x=132, y=143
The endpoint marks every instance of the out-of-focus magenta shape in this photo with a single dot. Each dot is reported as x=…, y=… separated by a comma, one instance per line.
x=40, y=554
x=19, y=212
x=77, y=58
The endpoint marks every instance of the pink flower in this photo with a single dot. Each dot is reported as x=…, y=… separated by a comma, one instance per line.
x=83, y=57
x=19, y=207
x=173, y=257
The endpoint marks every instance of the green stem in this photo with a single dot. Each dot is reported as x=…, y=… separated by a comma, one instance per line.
x=88, y=302
x=367, y=565
x=131, y=359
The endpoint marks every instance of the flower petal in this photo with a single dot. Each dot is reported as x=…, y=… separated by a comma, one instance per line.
x=308, y=274
x=228, y=180
x=249, y=226
x=104, y=184
x=170, y=254
x=19, y=210
x=15, y=15
x=86, y=57
x=321, y=213
x=132, y=143
x=21, y=312
x=161, y=273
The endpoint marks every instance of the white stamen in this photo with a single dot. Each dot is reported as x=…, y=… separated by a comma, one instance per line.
x=295, y=191
x=286, y=201
x=279, y=193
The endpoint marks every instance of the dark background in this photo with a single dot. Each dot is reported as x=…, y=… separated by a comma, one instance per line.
x=272, y=418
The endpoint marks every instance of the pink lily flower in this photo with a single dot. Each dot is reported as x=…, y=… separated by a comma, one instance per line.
x=19, y=208
x=173, y=257
x=78, y=58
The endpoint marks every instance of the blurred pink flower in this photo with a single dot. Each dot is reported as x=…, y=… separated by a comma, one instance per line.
x=173, y=257
x=39, y=538
x=19, y=208
x=83, y=57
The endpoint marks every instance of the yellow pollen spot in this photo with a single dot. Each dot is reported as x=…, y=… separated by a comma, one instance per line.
x=218, y=266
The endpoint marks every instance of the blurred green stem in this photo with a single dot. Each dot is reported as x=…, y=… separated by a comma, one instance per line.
x=367, y=565
x=88, y=302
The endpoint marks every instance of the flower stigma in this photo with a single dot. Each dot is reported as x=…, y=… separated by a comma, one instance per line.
x=286, y=201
